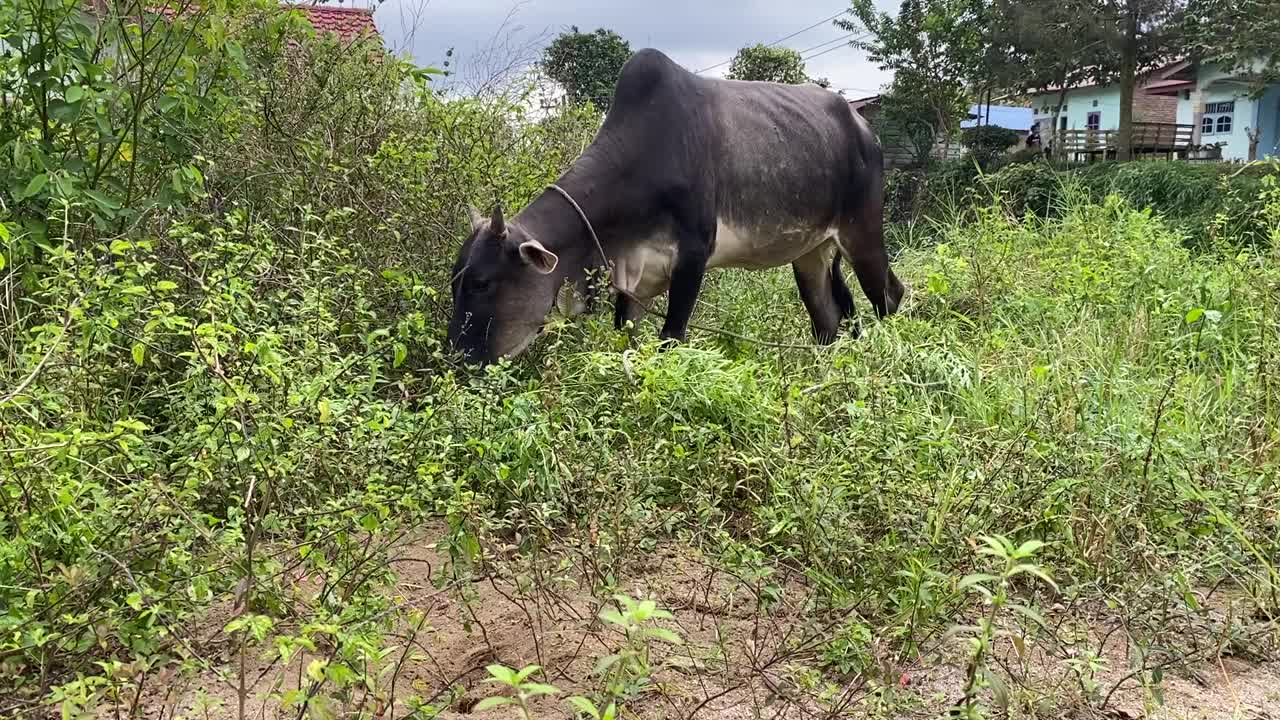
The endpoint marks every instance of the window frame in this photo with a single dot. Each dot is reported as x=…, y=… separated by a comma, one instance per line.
x=1217, y=115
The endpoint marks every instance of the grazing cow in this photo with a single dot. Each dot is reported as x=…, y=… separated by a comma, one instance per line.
x=687, y=173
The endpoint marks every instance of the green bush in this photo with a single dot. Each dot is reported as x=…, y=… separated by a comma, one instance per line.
x=988, y=143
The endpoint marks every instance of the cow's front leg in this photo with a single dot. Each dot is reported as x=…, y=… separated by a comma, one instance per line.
x=686, y=283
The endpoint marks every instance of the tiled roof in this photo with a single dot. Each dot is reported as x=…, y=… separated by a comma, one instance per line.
x=348, y=22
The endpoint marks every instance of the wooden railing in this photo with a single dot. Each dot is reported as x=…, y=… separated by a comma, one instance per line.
x=1168, y=139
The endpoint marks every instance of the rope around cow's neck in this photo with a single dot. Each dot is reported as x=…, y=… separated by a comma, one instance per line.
x=609, y=267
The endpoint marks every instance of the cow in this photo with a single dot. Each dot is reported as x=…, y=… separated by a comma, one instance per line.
x=686, y=174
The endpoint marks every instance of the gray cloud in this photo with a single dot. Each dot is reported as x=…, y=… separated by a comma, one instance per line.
x=695, y=33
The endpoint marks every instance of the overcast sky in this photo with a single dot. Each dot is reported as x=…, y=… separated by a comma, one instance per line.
x=696, y=33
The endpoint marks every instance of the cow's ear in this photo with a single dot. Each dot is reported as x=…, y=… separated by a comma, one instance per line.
x=538, y=257
x=476, y=217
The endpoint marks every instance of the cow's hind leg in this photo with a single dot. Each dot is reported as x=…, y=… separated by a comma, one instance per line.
x=862, y=240
x=816, y=277
x=839, y=290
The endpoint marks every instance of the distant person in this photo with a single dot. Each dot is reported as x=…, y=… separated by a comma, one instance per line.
x=1033, y=137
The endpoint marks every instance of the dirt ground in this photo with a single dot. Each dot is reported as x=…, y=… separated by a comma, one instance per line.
x=736, y=662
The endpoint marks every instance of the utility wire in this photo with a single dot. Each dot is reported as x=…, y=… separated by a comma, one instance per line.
x=781, y=40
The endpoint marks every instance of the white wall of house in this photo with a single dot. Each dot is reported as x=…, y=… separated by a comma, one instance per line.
x=1080, y=103
x=1228, y=124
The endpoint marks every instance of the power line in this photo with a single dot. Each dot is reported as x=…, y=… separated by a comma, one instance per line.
x=824, y=52
x=815, y=47
x=780, y=40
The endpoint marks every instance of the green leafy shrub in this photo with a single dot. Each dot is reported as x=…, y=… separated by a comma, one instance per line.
x=987, y=143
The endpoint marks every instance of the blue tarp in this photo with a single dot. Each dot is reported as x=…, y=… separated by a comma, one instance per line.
x=1005, y=116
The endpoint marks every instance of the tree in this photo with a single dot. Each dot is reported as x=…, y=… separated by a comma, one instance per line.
x=768, y=64
x=1047, y=43
x=1142, y=33
x=1242, y=36
x=1062, y=43
x=935, y=49
x=587, y=65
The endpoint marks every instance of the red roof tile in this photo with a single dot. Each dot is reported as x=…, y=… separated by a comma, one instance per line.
x=349, y=23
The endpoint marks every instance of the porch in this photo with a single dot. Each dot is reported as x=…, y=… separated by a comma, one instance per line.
x=1149, y=140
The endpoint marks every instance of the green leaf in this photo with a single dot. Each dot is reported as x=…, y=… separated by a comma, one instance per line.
x=36, y=184
x=975, y=579
x=1194, y=315
x=139, y=352
x=666, y=636
x=612, y=617
x=1028, y=548
x=74, y=94
x=315, y=670
x=540, y=689
x=526, y=672
x=491, y=703
x=4, y=233
x=104, y=202
x=502, y=674
x=325, y=415
x=603, y=665
x=585, y=706
x=2, y=260
x=1028, y=613
x=402, y=352
x=134, y=600
x=63, y=111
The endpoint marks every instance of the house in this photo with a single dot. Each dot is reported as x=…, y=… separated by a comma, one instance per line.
x=898, y=151
x=1223, y=110
x=1097, y=107
x=1202, y=105
x=348, y=23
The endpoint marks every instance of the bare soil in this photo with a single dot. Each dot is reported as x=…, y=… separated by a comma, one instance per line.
x=737, y=661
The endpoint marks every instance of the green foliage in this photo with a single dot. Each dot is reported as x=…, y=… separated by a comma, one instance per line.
x=518, y=683
x=988, y=143
x=587, y=65
x=627, y=672
x=768, y=64
x=1242, y=36
x=1211, y=204
x=933, y=48
x=229, y=408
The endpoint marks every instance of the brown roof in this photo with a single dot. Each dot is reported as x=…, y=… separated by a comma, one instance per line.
x=348, y=23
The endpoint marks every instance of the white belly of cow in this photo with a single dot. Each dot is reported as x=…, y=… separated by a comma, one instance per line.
x=645, y=271
x=765, y=248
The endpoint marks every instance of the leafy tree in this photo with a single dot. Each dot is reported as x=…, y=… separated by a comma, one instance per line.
x=934, y=48
x=1243, y=36
x=768, y=64
x=587, y=65
x=1046, y=43
x=1141, y=33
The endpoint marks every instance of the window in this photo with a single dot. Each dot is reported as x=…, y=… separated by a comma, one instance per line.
x=1219, y=118
x=1064, y=123
x=1093, y=121
x=1095, y=103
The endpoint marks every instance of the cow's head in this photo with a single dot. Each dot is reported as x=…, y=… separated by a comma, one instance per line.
x=504, y=284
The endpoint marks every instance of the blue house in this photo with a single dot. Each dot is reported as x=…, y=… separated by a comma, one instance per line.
x=1223, y=109
x=1210, y=105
